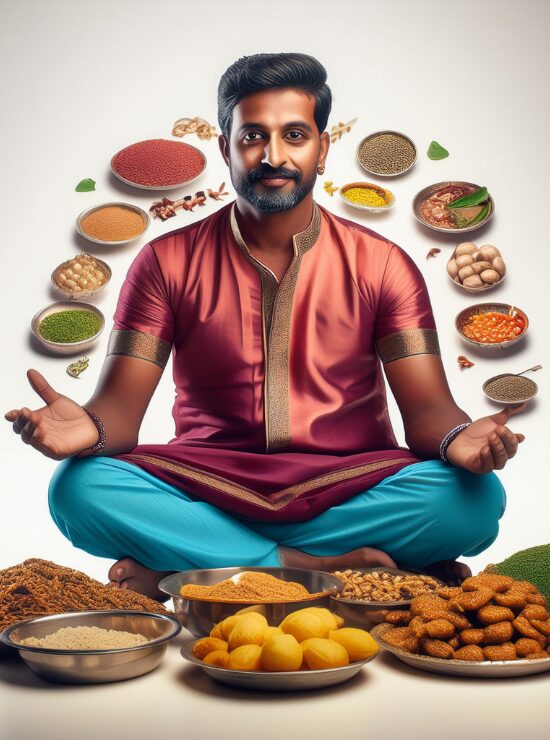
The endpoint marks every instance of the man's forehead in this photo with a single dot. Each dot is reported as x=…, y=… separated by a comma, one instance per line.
x=275, y=107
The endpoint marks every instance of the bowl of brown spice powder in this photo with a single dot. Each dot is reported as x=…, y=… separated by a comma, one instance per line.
x=202, y=598
x=113, y=223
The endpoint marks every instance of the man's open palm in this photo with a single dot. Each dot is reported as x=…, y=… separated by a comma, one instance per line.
x=59, y=429
x=486, y=444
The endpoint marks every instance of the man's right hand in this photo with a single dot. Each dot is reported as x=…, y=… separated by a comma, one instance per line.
x=60, y=429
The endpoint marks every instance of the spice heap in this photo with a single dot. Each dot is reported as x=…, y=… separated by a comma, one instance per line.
x=489, y=617
x=81, y=274
x=476, y=267
x=493, y=327
x=510, y=388
x=158, y=163
x=249, y=586
x=113, y=224
x=70, y=326
x=383, y=586
x=386, y=154
x=367, y=195
x=313, y=638
x=85, y=638
x=36, y=588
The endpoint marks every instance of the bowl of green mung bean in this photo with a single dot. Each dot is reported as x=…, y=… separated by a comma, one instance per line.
x=66, y=329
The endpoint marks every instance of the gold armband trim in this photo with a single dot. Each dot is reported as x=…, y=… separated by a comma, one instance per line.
x=138, y=344
x=406, y=343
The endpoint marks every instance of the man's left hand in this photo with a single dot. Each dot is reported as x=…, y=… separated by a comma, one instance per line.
x=486, y=444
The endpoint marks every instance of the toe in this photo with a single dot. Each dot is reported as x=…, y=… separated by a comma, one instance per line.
x=120, y=570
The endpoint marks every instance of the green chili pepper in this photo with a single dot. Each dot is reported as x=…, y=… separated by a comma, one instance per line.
x=472, y=199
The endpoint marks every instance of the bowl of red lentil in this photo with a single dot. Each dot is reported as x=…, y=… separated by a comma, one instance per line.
x=367, y=197
x=492, y=325
x=158, y=164
x=113, y=223
x=370, y=593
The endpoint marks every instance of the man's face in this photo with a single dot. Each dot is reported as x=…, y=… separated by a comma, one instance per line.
x=274, y=148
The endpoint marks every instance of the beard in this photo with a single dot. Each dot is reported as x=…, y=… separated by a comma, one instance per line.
x=247, y=186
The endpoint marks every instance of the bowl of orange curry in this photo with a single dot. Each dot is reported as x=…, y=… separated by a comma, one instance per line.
x=492, y=325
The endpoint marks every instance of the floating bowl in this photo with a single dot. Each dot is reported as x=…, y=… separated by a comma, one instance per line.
x=173, y=186
x=464, y=316
x=71, y=295
x=369, y=186
x=385, y=174
x=200, y=616
x=517, y=401
x=66, y=348
x=366, y=614
x=94, y=666
x=112, y=242
x=430, y=190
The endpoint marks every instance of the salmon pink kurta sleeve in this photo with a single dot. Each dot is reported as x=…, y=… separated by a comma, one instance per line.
x=280, y=407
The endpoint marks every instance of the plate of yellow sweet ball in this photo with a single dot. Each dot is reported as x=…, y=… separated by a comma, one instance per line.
x=310, y=649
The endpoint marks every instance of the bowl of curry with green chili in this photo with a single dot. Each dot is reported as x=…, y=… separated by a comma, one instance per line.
x=67, y=327
x=453, y=206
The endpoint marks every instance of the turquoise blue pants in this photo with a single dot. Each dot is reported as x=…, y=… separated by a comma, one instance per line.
x=425, y=513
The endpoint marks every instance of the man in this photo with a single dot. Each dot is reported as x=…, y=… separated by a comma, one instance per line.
x=278, y=314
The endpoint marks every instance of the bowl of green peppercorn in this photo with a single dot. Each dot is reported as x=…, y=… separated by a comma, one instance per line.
x=66, y=328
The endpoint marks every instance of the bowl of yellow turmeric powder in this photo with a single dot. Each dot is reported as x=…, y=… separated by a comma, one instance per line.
x=367, y=197
x=113, y=223
x=202, y=598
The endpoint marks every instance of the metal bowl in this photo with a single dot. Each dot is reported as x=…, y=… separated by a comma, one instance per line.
x=94, y=666
x=385, y=174
x=464, y=316
x=456, y=281
x=430, y=190
x=112, y=242
x=83, y=293
x=65, y=348
x=200, y=616
x=368, y=209
x=161, y=187
x=517, y=401
x=366, y=614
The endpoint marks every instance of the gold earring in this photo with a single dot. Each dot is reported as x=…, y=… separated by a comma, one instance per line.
x=320, y=170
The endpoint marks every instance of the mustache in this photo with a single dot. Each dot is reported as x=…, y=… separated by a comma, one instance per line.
x=258, y=173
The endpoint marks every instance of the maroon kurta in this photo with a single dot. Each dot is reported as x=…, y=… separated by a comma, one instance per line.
x=280, y=407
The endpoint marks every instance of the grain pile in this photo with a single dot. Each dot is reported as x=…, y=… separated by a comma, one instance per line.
x=249, y=586
x=36, y=588
x=86, y=638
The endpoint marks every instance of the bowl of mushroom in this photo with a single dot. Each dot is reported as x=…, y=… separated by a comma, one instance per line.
x=476, y=269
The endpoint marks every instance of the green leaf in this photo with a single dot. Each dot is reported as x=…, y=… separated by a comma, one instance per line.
x=436, y=151
x=85, y=186
x=472, y=199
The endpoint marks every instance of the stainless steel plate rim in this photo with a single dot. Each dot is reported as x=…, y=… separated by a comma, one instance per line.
x=110, y=204
x=65, y=306
x=378, y=133
x=159, y=187
x=5, y=635
x=430, y=189
x=84, y=293
x=482, y=669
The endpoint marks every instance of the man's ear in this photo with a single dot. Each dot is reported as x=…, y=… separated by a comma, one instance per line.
x=224, y=148
x=325, y=145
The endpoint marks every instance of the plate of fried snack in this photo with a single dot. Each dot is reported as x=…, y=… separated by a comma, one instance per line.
x=489, y=626
x=310, y=649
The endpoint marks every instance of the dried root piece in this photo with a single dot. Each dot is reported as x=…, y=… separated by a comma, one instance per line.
x=464, y=362
x=194, y=125
x=336, y=132
x=217, y=194
x=434, y=251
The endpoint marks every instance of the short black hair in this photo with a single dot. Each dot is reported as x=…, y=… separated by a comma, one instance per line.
x=259, y=72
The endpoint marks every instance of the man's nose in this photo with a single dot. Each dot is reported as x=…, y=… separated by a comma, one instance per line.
x=274, y=153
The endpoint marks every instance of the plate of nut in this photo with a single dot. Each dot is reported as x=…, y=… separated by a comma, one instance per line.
x=81, y=276
x=489, y=626
x=370, y=593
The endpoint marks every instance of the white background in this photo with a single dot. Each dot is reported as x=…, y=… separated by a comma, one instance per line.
x=81, y=80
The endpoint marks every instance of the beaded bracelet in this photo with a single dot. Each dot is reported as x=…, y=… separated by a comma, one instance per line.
x=102, y=439
x=450, y=437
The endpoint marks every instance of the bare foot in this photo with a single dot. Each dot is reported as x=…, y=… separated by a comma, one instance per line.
x=363, y=557
x=450, y=571
x=128, y=573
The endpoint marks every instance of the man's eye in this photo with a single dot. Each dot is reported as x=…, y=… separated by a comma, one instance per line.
x=295, y=135
x=252, y=136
